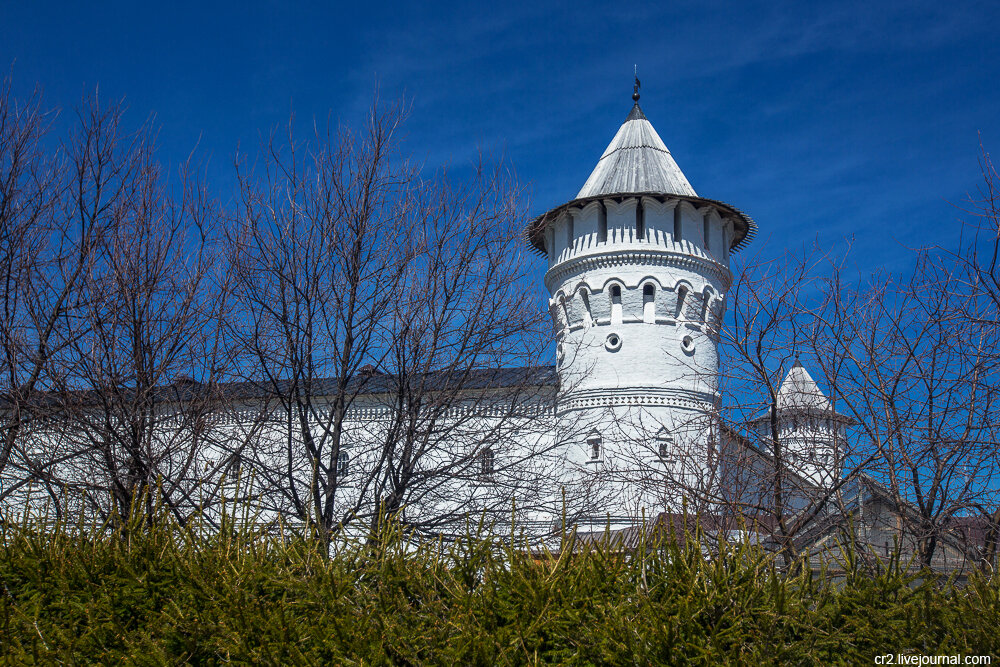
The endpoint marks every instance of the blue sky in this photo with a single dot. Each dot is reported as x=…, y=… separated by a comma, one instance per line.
x=828, y=120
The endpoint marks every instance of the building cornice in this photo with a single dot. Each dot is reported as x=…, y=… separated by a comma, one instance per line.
x=635, y=396
x=639, y=257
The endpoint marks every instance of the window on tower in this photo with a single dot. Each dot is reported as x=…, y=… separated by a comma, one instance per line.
x=588, y=319
x=665, y=446
x=677, y=222
x=706, y=305
x=682, y=292
x=616, y=304
x=602, y=224
x=594, y=446
x=649, y=303
x=487, y=459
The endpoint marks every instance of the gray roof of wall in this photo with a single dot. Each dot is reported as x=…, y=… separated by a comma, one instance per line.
x=361, y=383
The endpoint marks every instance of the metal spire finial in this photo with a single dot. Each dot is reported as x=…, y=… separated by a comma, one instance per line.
x=635, y=89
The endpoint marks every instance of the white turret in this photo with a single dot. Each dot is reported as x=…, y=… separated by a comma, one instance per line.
x=811, y=432
x=638, y=272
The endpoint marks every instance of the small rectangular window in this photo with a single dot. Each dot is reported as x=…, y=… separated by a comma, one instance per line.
x=602, y=225
x=487, y=459
x=594, y=443
x=640, y=221
x=677, y=223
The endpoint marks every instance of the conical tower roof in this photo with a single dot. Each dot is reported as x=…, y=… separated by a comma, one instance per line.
x=638, y=163
x=636, y=160
x=800, y=392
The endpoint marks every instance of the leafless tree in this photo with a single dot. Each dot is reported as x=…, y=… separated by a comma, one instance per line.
x=32, y=301
x=768, y=472
x=132, y=318
x=368, y=299
x=973, y=307
x=919, y=381
x=465, y=431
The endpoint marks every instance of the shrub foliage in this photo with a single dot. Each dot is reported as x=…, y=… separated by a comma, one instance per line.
x=172, y=594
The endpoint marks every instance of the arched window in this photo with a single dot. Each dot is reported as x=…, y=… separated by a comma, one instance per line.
x=343, y=464
x=649, y=303
x=588, y=318
x=563, y=313
x=616, y=304
x=707, y=297
x=682, y=292
x=486, y=460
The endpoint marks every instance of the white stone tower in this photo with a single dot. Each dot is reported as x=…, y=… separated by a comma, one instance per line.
x=811, y=432
x=638, y=273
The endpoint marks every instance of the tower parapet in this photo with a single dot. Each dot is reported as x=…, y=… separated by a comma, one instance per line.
x=638, y=270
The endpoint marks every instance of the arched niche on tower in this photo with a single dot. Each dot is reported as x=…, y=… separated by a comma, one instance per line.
x=708, y=295
x=579, y=306
x=621, y=216
x=659, y=220
x=562, y=233
x=715, y=240
x=586, y=224
x=612, y=303
x=650, y=295
x=559, y=311
x=688, y=226
x=568, y=227
x=682, y=296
